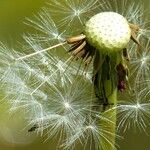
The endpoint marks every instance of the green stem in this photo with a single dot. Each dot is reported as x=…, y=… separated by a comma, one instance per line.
x=108, y=127
x=105, y=83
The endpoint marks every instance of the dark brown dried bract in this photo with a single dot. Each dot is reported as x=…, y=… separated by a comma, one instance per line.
x=81, y=49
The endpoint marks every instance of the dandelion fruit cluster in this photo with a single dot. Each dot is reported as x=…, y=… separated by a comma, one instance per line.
x=108, y=32
x=77, y=101
x=105, y=40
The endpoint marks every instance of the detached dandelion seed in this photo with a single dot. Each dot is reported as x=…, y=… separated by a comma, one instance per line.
x=144, y=90
x=73, y=12
x=140, y=64
x=134, y=114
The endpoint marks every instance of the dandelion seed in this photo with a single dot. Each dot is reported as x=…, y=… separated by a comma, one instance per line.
x=48, y=30
x=67, y=105
x=132, y=13
x=134, y=114
x=140, y=64
x=43, y=50
x=71, y=12
x=144, y=90
x=91, y=132
x=64, y=111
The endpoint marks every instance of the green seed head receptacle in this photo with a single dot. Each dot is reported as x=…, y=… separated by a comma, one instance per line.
x=108, y=32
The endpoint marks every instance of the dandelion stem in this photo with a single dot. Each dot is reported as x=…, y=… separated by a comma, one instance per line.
x=105, y=84
x=110, y=113
x=41, y=51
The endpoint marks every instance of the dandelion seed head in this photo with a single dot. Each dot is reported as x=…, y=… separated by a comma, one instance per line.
x=134, y=13
x=101, y=32
x=53, y=90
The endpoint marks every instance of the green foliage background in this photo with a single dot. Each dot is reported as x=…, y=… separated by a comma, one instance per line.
x=12, y=136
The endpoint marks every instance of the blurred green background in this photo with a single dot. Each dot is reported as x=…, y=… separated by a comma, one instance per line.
x=13, y=134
